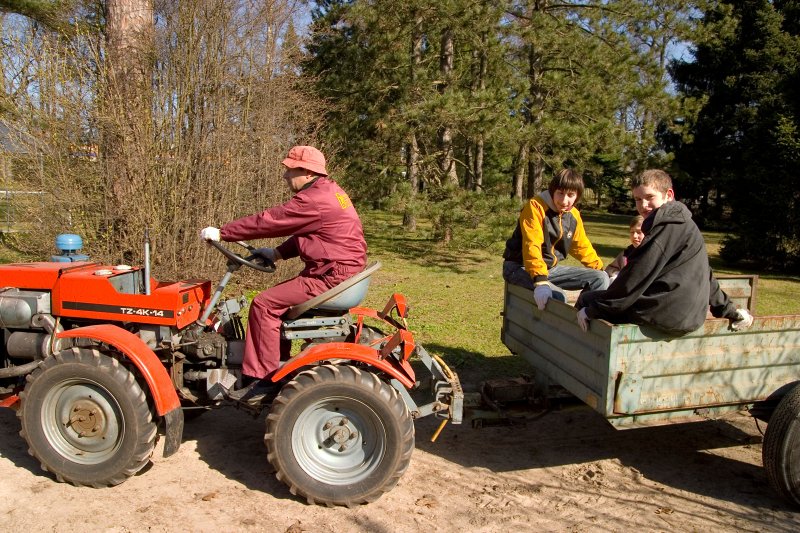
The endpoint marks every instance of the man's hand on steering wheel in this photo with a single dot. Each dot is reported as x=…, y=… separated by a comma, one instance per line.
x=210, y=234
x=270, y=254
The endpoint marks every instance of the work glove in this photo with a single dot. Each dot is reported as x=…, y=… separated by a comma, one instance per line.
x=743, y=320
x=266, y=253
x=210, y=234
x=583, y=320
x=542, y=293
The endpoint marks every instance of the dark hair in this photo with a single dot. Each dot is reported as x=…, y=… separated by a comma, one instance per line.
x=657, y=179
x=566, y=180
x=636, y=221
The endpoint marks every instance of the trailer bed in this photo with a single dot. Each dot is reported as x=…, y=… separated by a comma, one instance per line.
x=636, y=376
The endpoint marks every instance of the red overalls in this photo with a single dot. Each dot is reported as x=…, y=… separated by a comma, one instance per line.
x=326, y=234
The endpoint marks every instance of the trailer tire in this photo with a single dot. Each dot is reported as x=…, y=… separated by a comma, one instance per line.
x=86, y=419
x=781, y=448
x=338, y=435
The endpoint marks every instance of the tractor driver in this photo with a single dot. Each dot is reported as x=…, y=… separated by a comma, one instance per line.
x=324, y=231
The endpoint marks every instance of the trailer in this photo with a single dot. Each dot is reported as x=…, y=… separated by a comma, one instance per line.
x=635, y=376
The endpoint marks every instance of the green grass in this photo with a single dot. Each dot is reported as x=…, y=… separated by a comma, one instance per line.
x=456, y=296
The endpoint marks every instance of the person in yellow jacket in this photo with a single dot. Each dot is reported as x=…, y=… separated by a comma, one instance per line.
x=550, y=228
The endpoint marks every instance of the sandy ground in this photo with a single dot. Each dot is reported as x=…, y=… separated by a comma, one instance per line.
x=566, y=471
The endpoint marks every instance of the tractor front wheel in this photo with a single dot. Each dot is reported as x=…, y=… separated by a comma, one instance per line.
x=338, y=435
x=86, y=419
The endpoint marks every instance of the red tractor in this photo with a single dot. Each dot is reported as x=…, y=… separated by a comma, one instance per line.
x=97, y=358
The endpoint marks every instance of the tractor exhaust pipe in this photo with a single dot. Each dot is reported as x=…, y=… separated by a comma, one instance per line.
x=147, y=261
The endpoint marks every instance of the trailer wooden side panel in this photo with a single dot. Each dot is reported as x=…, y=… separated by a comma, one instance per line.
x=634, y=375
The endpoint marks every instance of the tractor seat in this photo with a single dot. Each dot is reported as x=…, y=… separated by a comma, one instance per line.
x=342, y=297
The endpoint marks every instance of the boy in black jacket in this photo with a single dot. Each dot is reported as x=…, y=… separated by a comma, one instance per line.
x=667, y=282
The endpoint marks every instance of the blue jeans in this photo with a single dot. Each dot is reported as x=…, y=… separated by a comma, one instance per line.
x=574, y=278
x=560, y=277
x=515, y=274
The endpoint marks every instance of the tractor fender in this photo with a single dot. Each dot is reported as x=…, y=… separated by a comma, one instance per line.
x=167, y=403
x=352, y=352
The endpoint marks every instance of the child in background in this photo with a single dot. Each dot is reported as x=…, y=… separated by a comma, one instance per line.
x=621, y=260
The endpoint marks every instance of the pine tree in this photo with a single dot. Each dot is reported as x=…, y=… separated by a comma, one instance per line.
x=466, y=95
x=582, y=74
x=744, y=144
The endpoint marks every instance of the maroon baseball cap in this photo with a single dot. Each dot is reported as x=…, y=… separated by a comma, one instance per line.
x=306, y=157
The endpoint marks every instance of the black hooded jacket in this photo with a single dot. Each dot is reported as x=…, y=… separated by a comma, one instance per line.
x=667, y=282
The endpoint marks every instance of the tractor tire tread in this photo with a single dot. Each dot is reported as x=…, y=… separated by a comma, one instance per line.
x=112, y=368
x=353, y=376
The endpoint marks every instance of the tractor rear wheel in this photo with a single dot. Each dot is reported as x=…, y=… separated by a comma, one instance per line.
x=781, y=449
x=338, y=435
x=86, y=419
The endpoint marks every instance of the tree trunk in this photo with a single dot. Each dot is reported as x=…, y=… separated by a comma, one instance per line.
x=446, y=161
x=532, y=111
x=535, y=171
x=469, y=169
x=519, y=171
x=478, y=180
x=412, y=148
x=412, y=175
x=535, y=113
x=127, y=139
x=474, y=180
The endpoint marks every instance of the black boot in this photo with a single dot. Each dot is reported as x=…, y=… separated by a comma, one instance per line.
x=255, y=391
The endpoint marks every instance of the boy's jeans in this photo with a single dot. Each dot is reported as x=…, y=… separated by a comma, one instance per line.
x=560, y=277
x=574, y=278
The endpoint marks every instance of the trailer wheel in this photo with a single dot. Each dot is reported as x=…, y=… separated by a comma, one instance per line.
x=781, y=448
x=338, y=435
x=86, y=419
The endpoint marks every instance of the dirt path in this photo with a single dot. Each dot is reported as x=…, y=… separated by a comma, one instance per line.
x=567, y=471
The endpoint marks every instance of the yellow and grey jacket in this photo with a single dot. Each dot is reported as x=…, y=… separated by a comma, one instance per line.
x=544, y=237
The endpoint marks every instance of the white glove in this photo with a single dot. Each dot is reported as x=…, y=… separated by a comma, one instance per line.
x=583, y=320
x=266, y=253
x=542, y=293
x=210, y=234
x=743, y=320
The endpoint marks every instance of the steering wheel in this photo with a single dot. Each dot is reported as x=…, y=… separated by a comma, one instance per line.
x=256, y=262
